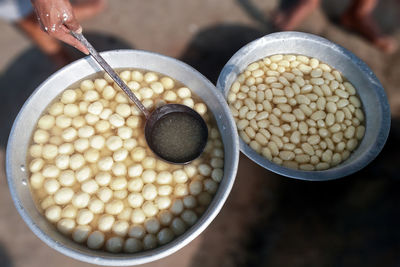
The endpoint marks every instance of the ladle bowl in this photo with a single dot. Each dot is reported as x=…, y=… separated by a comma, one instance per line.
x=198, y=134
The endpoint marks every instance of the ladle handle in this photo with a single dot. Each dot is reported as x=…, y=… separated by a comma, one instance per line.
x=111, y=72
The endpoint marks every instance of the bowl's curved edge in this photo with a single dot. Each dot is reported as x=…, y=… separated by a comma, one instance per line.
x=151, y=255
x=231, y=67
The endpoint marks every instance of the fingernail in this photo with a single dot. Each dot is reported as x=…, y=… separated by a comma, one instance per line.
x=79, y=30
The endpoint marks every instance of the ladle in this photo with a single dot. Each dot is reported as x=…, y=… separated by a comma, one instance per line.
x=174, y=132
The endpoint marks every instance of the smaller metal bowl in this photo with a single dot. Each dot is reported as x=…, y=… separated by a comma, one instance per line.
x=369, y=89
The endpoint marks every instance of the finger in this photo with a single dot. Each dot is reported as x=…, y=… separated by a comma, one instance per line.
x=42, y=27
x=72, y=24
x=79, y=30
x=65, y=36
x=40, y=22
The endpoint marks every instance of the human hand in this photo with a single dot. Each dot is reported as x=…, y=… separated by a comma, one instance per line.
x=57, y=19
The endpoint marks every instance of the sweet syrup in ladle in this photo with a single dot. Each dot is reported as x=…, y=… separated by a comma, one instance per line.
x=176, y=136
x=179, y=135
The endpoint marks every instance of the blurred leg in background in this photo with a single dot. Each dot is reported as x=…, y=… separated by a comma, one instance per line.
x=358, y=18
x=290, y=18
x=20, y=13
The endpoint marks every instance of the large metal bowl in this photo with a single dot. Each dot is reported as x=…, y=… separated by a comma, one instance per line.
x=24, y=124
x=373, y=97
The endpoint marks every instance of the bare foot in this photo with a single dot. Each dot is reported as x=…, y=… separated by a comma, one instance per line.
x=366, y=27
x=386, y=43
x=279, y=19
x=288, y=20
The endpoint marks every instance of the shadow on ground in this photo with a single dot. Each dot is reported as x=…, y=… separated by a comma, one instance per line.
x=348, y=222
x=208, y=52
x=212, y=47
x=386, y=13
x=255, y=13
x=29, y=70
x=5, y=260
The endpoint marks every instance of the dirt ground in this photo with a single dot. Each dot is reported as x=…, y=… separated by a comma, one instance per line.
x=268, y=220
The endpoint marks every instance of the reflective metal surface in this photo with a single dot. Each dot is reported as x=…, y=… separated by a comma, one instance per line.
x=26, y=121
x=369, y=89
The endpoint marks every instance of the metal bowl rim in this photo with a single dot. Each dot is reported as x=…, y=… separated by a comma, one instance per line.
x=150, y=255
x=338, y=171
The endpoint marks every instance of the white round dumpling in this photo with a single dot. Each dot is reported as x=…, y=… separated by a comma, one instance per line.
x=125, y=132
x=71, y=110
x=200, y=108
x=150, y=77
x=123, y=110
x=95, y=240
x=87, y=85
x=116, y=120
x=167, y=82
x=69, y=134
x=165, y=236
x=95, y=108
x=69, y=96
x=41, y=136
x=149, y=241
x=137, y=76
x=99, y=84
x=184, y=92
x=114, y=143
x=35, y=150
x=46, y=122
x=97, y=142
x=108, y=92
x=157, y=87
x=63, y=121
x=78, y=122
x=49, y=151
x=91, y=96
x=133, y=245
x=188, y=102
x=56, y=109
x=86, y=131
x=81, y=233
x=115, y=244
x=125, y=75
x=36, y=165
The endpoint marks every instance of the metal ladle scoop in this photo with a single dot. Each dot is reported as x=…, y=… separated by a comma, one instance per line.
x=174, y=132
